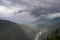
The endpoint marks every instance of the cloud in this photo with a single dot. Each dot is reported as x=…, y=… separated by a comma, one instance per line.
x=52, y=16
x=23, y=18
x=42, y=7
x=7, y=11
x=37, y=12
x=29, y=10
x=38, y=7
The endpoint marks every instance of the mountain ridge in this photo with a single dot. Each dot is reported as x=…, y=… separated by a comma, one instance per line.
x=11, y=31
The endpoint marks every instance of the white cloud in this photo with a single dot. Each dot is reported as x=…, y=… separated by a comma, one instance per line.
x=6, y=12
x=23, y=18
x=51, y=16
x=27, y=16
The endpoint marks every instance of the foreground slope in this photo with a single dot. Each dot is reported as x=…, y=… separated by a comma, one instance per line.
x=11, y=31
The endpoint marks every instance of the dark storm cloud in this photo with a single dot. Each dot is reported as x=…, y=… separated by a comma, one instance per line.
x=53, y=8
x=44, y=11
x=40, y=7
x=35, y=8
x=19, y=2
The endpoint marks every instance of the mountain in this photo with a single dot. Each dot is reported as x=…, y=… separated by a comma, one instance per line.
x=50, y=30
x=45, y=23
x=49, y=34
x=46, y=20
x=12, y=31
x=42, y=21
x=47, y=26
x=28, y=31
x=56, y=20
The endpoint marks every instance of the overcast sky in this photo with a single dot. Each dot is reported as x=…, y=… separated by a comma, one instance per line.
x=27, y=11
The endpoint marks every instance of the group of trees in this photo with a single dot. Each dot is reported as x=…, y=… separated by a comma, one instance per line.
x=55, y=35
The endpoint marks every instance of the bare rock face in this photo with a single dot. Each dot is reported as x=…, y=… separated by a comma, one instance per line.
x=11, y=31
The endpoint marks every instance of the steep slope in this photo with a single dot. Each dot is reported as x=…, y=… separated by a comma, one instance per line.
x=11, y=31
x=28, y=31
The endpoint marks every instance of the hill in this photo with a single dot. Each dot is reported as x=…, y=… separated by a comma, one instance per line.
x=11, y=31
